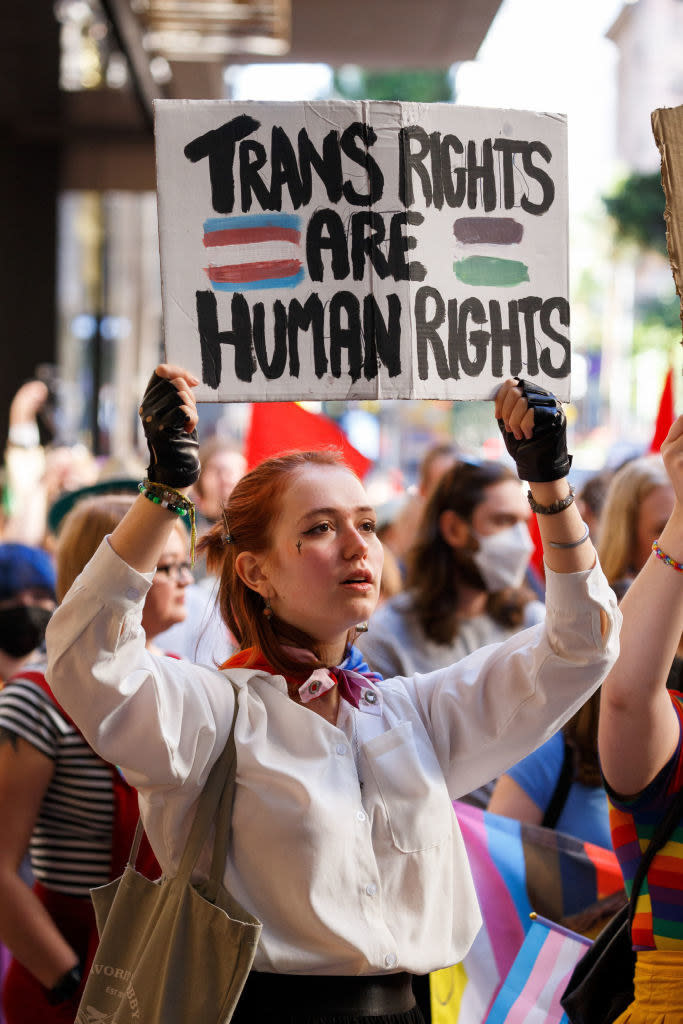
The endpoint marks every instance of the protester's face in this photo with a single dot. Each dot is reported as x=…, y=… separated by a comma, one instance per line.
x=219, y=476
x=165, y=601
x=439, y=465
x=23, y=620
x=652, y=517
x=323, y=571
x=502, y=506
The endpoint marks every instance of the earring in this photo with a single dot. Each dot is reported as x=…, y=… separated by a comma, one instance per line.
x=362, y=627
x=267, y=610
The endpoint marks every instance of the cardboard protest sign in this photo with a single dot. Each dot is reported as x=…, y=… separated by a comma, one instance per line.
x=667, y=127
x=362, y=250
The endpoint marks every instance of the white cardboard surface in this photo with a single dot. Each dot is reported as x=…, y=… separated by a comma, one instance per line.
x=362, y=250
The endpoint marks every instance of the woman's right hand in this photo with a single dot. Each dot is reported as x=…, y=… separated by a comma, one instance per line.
x=169, y=419
x=672, y=454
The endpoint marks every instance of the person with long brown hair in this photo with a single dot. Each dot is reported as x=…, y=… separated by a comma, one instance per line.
x=560, y=785
x=465, y=578
x=344, y=842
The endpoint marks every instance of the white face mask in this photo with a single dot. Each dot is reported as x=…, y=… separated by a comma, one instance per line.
x=503, y=557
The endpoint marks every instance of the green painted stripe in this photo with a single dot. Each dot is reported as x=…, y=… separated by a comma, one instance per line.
x=490, y=271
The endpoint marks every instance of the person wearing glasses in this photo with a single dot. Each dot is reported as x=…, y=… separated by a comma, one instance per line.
x=72, y=811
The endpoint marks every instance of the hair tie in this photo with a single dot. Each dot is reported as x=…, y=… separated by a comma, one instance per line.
x=227, y=536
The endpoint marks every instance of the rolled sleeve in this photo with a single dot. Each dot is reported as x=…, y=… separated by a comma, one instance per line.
x=161, y=720
x=498, y=704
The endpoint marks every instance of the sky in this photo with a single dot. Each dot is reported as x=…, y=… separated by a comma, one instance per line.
x=552, y=55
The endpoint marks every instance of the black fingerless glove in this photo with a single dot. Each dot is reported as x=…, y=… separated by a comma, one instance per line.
x=174, y=454
x=543, y=457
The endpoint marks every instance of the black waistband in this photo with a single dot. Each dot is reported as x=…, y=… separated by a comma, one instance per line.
x=326, y=995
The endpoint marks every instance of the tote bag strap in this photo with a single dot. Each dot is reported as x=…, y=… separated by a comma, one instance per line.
x=220, y=783
x=216, y=796
x=661, y=835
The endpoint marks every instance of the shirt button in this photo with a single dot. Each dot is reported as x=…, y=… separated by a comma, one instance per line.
x=369, y=697
x=361, y=815
x=371, y=889
x=341, y=749
x=132, y=594
x=390, y=960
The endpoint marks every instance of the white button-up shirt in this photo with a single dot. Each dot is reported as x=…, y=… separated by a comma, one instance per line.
x=344, y=844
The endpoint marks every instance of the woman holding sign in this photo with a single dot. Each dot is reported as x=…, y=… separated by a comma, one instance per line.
x=344, y=841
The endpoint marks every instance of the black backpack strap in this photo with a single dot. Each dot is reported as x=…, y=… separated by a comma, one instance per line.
x=562, y=787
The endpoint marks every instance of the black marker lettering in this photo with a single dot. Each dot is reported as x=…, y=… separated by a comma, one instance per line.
x=328, y=167
x=309, y=316
x=326, y=231
x=360, y=155
x=410, y=161
x=484, y=172
x=560, y=306
x=465, y=339
x=382, y=339
x=400, y=268
x=219, y=146
x=211, y=339
x=505, y=338
x=250, y=179
x=346, y=336
x=428, y=333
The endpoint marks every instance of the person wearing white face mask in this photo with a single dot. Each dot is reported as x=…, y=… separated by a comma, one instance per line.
x=465, y=585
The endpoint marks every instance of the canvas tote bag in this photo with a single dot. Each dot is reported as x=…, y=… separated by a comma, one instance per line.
x=171, y=952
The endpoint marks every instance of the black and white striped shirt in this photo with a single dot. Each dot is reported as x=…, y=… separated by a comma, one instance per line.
x=70, y=847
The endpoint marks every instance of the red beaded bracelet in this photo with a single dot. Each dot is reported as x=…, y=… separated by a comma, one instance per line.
x=667, y=559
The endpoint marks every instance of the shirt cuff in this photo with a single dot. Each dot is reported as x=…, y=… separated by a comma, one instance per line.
x=565, y=590
x=115, y=582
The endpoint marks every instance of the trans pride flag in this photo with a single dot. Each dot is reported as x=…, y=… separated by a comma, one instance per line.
x=534, y=985
x=517, y=869
x=255, y=251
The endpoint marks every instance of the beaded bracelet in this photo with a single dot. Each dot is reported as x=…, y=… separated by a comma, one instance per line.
x=667, y=559
x=550, y=510
x=174, y=501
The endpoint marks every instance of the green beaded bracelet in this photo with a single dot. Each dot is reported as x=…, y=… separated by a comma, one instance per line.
x=175, y=502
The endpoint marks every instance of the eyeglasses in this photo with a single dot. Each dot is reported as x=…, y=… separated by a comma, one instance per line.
x=174, y=570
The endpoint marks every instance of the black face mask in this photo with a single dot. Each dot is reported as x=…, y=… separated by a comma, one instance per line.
x=22, y=628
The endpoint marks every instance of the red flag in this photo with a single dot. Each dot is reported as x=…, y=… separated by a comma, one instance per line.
x=278, y=427
x=536, y=561
x=665, y=414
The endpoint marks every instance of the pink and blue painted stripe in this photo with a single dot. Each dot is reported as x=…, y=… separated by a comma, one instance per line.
x=265, y=248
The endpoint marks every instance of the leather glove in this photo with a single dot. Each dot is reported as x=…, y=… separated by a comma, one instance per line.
x=543, y=457
x=174, y=454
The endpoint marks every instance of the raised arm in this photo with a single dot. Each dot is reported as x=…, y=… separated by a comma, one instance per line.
x=639, y=730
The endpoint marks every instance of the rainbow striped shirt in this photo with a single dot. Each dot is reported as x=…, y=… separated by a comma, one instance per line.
x=658, y=920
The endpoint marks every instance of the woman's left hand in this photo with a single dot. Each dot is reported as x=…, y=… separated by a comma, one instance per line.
x=534, y=428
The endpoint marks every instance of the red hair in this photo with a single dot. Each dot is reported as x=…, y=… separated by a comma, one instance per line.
x=248, y=518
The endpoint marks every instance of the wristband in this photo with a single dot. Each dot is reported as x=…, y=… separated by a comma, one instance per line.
x=66, y=987
x=550, y=510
